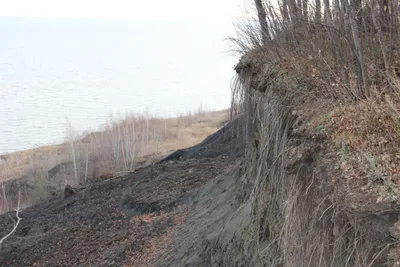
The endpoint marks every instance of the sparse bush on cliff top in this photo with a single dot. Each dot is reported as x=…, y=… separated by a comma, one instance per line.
x=348, y=51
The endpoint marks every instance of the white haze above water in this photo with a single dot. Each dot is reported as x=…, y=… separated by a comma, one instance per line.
x=81, y=70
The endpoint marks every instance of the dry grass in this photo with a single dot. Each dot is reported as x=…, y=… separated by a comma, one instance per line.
x=164, y=135
x=125, y=143
x=17, y=164
x=132, y=141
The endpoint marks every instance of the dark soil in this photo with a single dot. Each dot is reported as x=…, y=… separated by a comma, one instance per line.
x=125, y=221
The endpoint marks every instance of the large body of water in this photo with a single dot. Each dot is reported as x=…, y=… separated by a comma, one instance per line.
x=81, y=70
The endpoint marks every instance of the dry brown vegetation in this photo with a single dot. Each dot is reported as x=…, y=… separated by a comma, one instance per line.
x=32, y=161
x=319, y=90
x=125, y=144
x=129, y=142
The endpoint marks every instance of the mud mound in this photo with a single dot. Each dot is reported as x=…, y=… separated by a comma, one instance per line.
x=226, y=142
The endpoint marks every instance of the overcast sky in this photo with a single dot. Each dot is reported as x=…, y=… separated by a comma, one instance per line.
x=177, y=10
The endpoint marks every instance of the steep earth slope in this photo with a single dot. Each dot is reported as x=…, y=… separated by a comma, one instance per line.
x=125, y=221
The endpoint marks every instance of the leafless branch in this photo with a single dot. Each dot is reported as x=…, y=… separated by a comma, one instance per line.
x=18, y=220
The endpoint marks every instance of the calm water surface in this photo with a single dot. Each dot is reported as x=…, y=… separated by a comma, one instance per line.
x=81, y=70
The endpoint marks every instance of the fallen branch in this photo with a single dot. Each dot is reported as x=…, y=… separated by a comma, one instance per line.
x=17, y=223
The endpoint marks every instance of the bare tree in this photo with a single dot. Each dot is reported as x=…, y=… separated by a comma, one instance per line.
x=263, y=21
x=327, y=12
x=71, y=136
x=318, y=11
x=16, y=223
x=5, y=201
x=293, y=9
x=305, y=10
x=284, y=10
x=379, y=25
x=360, y=67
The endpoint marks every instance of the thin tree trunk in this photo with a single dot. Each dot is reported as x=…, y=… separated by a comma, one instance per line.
x=356, y=5
x=87, y=163
x=18, y=219
x=294, y=11
x=6, y=208
x=272, y=14
x=318, y=11
x=343, y=14
x=327, y=11
x=134, y=148
x=384, y=15
x=378, y=28
x=284, y=10
x=362, y=78
x=305, y=10
x=74, y=160
x=300, y=7
x=263, y=21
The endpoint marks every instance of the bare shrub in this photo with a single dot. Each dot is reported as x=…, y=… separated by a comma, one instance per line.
x=132, y=138
x=352, y=46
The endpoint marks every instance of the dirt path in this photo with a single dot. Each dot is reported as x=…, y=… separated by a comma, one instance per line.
x=126, y=221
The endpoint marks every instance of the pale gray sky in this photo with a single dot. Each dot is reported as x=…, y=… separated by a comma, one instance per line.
x=180, y=10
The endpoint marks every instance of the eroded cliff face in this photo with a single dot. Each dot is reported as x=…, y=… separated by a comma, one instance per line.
x=292, y=200
x=317, y=198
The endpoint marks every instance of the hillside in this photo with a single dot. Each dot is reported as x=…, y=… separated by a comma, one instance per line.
x=125, y=221
x=125, y=144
